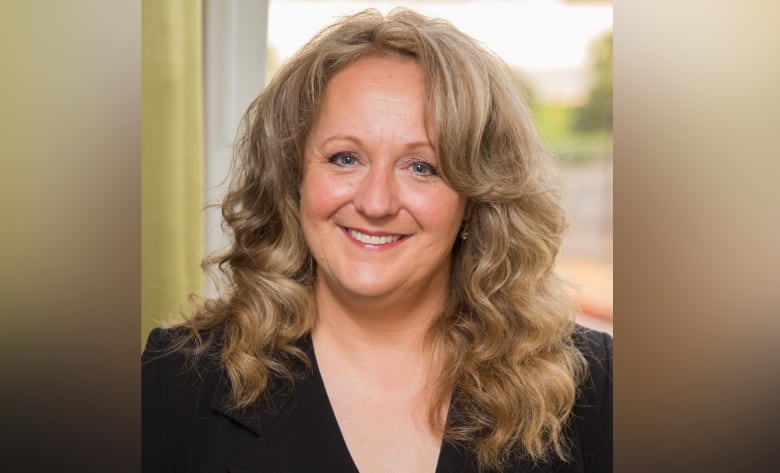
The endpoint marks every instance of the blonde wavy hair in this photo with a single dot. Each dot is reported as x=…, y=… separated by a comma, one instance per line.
x=504, y=337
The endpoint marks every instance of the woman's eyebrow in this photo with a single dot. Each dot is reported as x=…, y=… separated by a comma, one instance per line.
x=414, y=145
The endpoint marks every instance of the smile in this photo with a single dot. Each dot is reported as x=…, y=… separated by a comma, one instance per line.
x=373, y=239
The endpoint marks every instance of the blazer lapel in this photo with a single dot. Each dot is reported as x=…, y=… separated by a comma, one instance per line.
x=295, y=429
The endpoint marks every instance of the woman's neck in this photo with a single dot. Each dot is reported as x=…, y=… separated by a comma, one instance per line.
x=378, y=372
x=378, y=333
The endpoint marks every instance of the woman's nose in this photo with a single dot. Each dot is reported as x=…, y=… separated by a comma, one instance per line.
x=377, y=195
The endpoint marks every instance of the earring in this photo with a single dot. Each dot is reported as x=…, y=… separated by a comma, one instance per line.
x=464, y=233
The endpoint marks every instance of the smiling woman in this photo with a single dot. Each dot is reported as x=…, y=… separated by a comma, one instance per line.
x=389, y=300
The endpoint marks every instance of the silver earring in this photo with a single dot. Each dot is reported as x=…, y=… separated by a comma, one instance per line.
x=464, y=233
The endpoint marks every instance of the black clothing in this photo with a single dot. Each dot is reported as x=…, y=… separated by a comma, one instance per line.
x=185, y=429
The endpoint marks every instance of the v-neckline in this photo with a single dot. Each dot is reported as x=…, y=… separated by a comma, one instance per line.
x=447, y=454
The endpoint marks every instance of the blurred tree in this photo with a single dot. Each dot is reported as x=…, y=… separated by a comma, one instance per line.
x=596, y=114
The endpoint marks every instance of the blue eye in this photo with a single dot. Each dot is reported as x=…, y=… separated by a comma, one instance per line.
x=423, y=168
x=345, y=159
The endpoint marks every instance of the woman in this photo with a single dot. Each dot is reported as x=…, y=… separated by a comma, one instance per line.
x=389, y=302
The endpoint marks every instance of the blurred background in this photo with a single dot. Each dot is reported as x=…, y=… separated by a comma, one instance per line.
x=696, y=211
x=202, y=63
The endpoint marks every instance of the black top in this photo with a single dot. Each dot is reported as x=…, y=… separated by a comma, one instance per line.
x=185, y=429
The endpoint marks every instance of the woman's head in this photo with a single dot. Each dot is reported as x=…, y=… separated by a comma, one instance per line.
x=483, y=137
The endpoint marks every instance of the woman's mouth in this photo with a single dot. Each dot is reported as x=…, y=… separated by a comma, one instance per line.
x=373, y=239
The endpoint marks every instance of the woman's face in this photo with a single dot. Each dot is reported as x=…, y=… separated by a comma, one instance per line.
x=379, y=219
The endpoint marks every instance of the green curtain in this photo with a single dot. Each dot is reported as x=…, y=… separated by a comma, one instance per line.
x=172, y=158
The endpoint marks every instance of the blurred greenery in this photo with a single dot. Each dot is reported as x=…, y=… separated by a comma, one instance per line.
x=596, y=113
x=556, y=126
x=579, y=133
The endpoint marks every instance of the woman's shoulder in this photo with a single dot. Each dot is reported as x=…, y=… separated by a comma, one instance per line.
x=177, y=371
x=592, y=414
x=595, y=346
x=182, y=343
x=183, y=394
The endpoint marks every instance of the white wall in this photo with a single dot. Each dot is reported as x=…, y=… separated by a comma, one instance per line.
x=235, y=39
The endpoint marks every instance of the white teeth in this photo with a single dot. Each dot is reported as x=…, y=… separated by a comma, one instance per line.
x=372, y=239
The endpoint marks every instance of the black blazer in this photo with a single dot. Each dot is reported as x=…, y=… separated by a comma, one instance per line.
x=184, y=429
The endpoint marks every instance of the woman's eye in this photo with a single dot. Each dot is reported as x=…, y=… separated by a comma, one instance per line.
x=424, y=169
x=343, y=159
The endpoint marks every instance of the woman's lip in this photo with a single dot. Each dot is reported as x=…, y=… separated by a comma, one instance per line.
x=373, y=239
x=373, y=233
